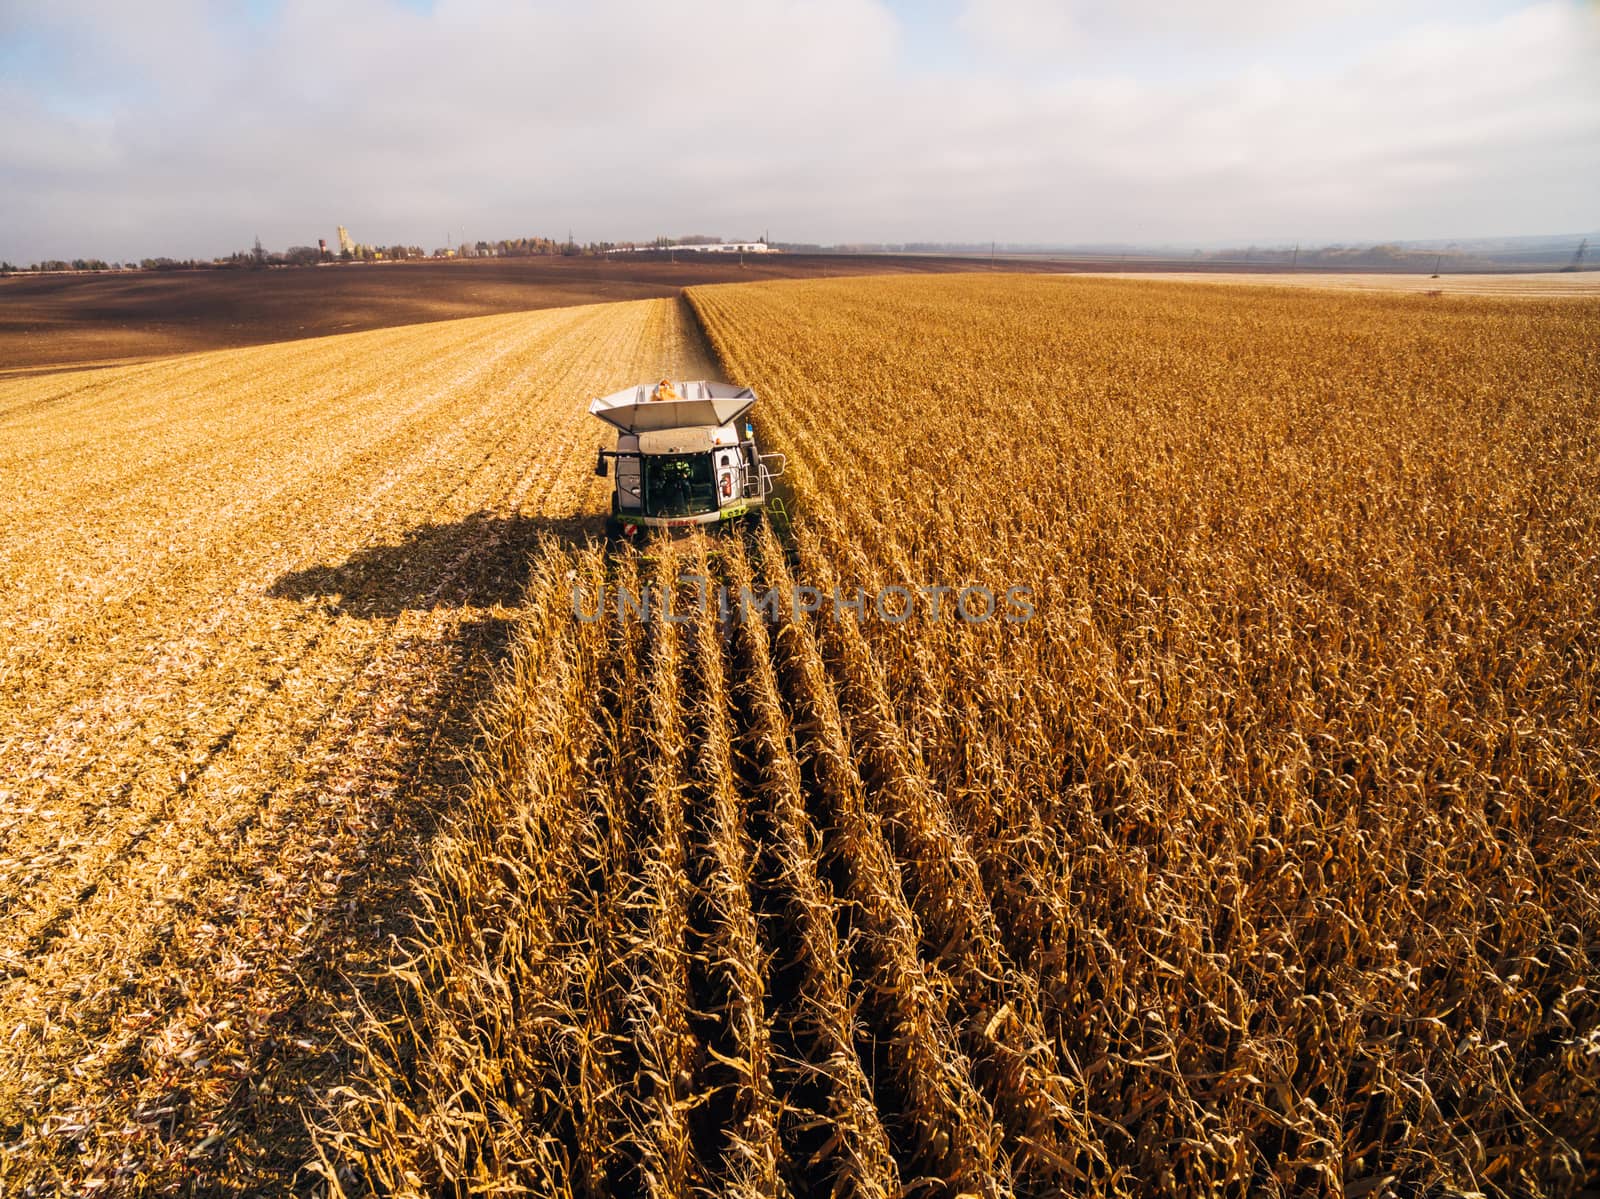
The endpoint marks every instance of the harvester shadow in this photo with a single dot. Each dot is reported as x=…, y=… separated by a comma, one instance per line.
x=480, y=561
x=477, y=564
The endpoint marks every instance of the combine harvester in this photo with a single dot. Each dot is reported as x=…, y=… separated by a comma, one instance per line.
x=681, y=460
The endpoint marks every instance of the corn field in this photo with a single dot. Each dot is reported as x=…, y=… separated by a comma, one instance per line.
x=1258, y=859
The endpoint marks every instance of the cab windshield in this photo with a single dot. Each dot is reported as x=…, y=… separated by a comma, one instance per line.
x=678, y=485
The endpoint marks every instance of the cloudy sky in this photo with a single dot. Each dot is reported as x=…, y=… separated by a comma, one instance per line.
x=188, y=127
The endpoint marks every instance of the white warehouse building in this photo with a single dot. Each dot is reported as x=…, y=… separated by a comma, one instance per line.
x=732, y=247
x=716, y=247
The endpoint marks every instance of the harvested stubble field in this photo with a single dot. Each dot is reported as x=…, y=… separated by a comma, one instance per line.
x=250, y=600
x=1260, y=861
x=52, y=322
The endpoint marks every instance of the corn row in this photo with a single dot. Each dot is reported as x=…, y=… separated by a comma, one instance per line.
x=733, y=952
x=951, y=1125
x=856, y=1150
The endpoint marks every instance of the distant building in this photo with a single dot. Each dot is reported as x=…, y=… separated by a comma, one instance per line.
x=346, y=246
x=716, y=247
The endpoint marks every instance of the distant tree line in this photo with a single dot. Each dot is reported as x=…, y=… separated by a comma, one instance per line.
x=61, y=264
x=257, y=257
x=516, y=247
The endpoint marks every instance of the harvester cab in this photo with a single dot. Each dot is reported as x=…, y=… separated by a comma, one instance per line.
x=686, y=455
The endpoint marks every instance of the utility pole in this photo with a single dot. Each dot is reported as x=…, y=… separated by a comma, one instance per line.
x=991, y=255
x=1438, y=258
x=1295, y=261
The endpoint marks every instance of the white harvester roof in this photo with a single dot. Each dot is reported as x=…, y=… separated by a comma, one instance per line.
x=637, y=410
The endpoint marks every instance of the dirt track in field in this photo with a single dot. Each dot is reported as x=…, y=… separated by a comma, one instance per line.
x=1542, y=285
x=250, y=599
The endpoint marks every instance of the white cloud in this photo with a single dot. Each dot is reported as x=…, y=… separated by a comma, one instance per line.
x=181, y=132
x=1025, y=28
x=1074, y=30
